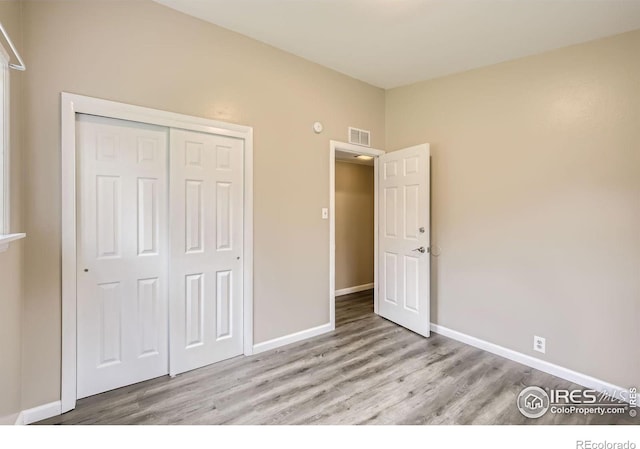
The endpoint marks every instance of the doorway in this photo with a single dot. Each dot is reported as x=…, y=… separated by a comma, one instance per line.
x=157, y=244
x=365, y=164
x=401, y=245
x=354, y=218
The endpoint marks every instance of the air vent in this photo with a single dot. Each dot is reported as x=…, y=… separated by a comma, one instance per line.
x=359, y=137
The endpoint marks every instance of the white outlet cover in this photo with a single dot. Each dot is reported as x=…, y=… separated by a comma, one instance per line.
x=539, y=344
x=325, y=213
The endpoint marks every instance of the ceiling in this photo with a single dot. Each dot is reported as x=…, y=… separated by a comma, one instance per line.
x=343, y=156
x=389, y=43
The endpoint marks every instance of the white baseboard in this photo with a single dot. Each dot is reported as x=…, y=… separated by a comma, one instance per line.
x=41, y=412
x=356, y=289
x=9, y=420
x=533, y=362
x=292, y=338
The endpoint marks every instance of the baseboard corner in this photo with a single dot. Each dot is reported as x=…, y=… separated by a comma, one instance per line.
x=41, y=412
x=354, y=289
x=19, y=419
x=292, y=338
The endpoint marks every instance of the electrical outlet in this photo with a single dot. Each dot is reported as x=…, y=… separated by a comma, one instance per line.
x=539, y=344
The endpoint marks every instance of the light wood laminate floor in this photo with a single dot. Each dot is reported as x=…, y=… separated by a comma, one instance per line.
x=368, y=371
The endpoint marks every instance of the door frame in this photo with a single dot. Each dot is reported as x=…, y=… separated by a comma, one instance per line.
x=72, y=104
x=355, y=149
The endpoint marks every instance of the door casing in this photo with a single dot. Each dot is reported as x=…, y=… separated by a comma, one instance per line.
x=72, y=104
x=355, y=149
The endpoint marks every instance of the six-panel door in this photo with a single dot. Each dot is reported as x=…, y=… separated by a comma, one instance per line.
x=122, y=226
x=206, y=249
x=404, y=259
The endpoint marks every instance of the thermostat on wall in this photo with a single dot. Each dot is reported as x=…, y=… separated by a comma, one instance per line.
x=317, y=127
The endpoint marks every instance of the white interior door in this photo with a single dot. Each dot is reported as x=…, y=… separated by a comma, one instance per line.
x=403, y=236
x=122, y=252
x=206, y=249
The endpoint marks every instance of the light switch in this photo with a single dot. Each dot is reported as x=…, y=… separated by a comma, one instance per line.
x=325, y=213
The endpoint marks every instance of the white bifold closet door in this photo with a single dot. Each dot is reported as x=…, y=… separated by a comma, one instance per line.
x=122, y=255
x=206, y=249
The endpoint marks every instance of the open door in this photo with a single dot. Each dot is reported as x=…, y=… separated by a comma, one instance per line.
x=403, y=236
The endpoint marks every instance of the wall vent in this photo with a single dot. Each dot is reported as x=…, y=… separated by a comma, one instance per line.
x=359, y=137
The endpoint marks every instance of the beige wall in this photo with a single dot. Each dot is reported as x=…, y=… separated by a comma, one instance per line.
x=536, y=201
x=354, y=225
x=11, y=261
x=142, y=53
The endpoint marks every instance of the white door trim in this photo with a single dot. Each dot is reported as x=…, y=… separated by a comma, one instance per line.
x=356, y=149
x=71, y=105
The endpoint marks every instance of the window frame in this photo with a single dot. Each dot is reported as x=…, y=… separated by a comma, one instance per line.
x=5, y=187
x=5, y=151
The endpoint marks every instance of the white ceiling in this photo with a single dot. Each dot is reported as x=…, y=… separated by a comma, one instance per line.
x=351, y=158
x=390, y=43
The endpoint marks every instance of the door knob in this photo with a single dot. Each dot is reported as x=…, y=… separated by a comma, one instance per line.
x=421, y=250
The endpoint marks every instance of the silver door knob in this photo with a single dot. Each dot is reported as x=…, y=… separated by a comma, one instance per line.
x=421, y=250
